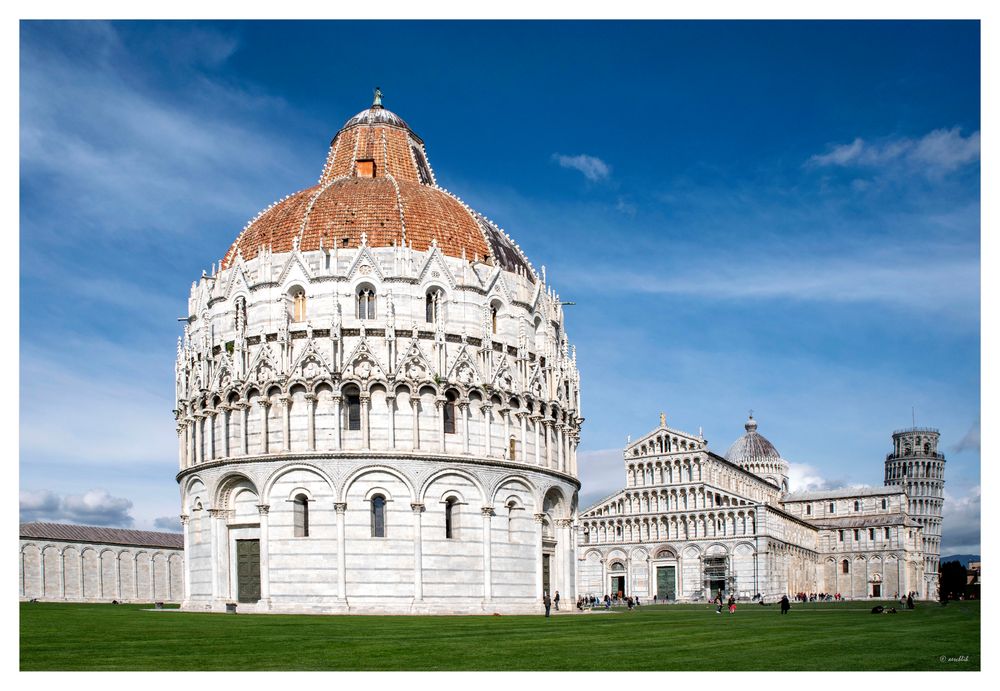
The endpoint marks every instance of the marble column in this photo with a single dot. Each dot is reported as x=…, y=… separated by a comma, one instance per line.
x=186, y=529
x=415, y=407
x=365, y=428
x=227, y=411
x=264, y=405
x=439, y=416
x=118, y=576
x=265, y=558
x=341, y=508
x=566, y=544
x=539, y=520
x=488, y=427
x=338, y=425
x=210, y=421
x=390, y=405
x=286, y=422
x=463, y=408
x=62, y=575
x=548, y=443
x=418, y=559
x=538, y=447
x=199, y=435
x=215, y=518
x=244, y=424
x=488, y=514
x=605, y=588
x=181, y=447
x=311, y=421
x=505, y=414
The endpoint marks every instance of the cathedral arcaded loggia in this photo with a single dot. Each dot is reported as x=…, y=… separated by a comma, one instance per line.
x=378, y=407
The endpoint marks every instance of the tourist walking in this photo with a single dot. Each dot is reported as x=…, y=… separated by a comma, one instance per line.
x=732, y=605
x=557, y=600
x=547, y=601
x=909, y=601
x=785, y=605
x=718, y=603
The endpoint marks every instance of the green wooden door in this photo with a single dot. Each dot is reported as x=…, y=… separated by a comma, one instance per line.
x=248, y=570
x=666, y=582
x=545, y=574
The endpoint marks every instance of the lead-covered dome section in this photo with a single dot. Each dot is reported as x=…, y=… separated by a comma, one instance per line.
x=752, y=448
x=377, y=181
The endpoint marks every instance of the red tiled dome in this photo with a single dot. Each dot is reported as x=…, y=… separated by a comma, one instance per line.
x=377, y=181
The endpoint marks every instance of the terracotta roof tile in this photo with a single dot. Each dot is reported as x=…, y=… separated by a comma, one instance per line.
x=67, y=532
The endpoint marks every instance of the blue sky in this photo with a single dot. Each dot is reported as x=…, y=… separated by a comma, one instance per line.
x=781, y=216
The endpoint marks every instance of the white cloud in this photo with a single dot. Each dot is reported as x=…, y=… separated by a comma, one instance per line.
x=960, y=523
x=95, y=507
x=593, y=168
x=171, y=524
x=944, y=285
x=937, y=152
x=971, y=440
x=805, y=478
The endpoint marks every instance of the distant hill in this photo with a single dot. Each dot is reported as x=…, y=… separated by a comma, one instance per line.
x=963, y=559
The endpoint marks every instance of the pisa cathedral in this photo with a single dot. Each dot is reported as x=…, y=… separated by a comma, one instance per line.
x=377, y=404
x=691, y=524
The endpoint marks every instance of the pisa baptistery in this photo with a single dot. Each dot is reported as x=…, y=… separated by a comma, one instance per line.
x=378, y=408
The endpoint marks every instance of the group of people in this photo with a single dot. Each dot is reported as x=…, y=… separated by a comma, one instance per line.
x=593, y=601
x=731, y=602
x=817, y=597
x=549, y=601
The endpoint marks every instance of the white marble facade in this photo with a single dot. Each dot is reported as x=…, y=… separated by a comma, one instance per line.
x=691, y=523
x=322, y=391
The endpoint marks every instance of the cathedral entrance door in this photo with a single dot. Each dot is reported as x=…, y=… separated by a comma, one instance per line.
x=618, y=585
x=666, y=582
x=248, y=570
x=876, y=590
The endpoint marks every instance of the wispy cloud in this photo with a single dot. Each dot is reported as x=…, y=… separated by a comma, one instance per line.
x=960, y=524
x=95, y=507
x=593, y=168
x=860, y=278
x=171, y=524
x=805, y=478
x=602, y=472
x=937, y=152
x=971, y=440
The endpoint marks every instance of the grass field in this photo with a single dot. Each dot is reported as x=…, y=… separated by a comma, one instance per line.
x=828, y=636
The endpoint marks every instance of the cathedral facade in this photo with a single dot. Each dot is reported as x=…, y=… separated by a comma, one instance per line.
x=377, y=404
x=691, y=524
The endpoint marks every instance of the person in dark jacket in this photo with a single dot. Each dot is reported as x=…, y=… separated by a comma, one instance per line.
x=556, y=600
x=785, y=605
x=909, y=601
x=547, y=601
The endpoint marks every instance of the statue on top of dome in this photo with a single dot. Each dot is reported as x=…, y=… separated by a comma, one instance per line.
x=377, y=101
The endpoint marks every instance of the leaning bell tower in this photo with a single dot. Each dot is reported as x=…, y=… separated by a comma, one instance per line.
x=918, y=468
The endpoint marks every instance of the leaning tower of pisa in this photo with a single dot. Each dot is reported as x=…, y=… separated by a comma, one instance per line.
x=917, y=466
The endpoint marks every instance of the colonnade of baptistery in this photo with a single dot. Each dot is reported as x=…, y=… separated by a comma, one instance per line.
x=376, y=392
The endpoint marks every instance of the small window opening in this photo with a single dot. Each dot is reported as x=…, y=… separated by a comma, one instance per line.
x=449, y=414
x=366, y=303
x=449, y=518
x=845, y=566
x=512, y=449
x=432, y=310
x=353, y=411
x=365, y=168
x=378, y=516
x=299, y=305
x=301, y=515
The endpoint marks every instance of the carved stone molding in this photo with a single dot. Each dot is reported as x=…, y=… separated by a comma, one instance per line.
x=539, y=517
x=262, y=509
x=340, y=507
x=488, y=511
x=417, y=507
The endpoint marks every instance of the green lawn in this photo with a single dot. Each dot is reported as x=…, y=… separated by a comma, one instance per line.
x=841, y=636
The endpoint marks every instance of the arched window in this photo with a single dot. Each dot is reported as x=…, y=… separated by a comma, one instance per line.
x=809, y=509
x=240, y=314
x=512, y=449
x=298, y=305
x=884, y=504
x=510, y=520
x=352, y=399
x=434, y=303
x=833, y=507
x=857, y=505
x=366, y=302
x=449, y=413
x=378, y=516
x=449, y=518
x=845, y=566
x=300, y=518
x=927, y=446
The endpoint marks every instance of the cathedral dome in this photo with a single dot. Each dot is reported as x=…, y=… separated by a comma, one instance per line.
x=378, y=187
x=752, y=448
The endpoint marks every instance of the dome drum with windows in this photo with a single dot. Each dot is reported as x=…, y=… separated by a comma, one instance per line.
x=377, y=403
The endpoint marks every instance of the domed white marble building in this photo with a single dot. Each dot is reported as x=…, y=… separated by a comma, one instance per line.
x=378, y=408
